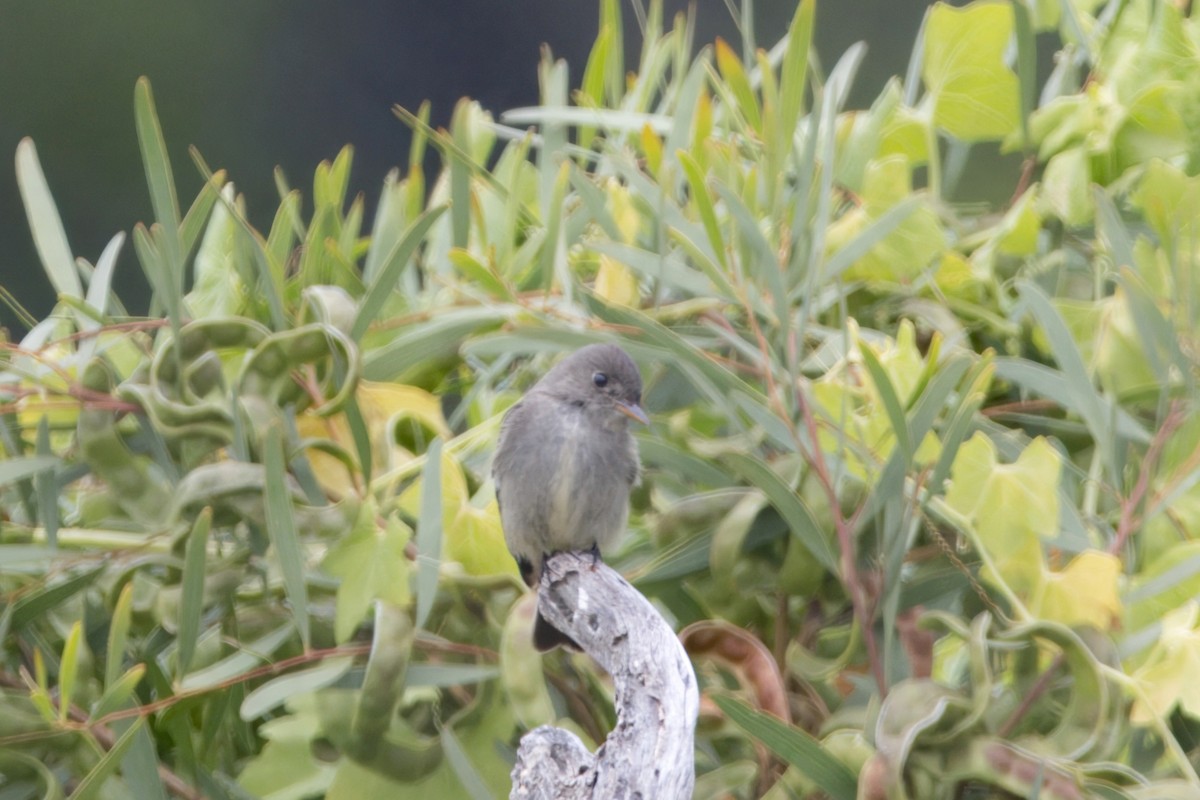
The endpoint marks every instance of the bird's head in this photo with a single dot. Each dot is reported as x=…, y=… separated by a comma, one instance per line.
x=600, y=377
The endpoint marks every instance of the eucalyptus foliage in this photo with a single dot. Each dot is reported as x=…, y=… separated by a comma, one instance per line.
x=922, y=489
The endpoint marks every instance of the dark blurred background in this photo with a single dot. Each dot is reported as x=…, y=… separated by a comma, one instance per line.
x=287, y=82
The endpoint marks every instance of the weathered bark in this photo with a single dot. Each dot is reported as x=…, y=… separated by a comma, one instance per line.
x=649, y=754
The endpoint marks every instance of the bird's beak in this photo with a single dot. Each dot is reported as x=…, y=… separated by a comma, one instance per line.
x=633, y=411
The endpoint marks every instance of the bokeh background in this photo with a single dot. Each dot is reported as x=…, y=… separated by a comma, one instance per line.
x=264, y=83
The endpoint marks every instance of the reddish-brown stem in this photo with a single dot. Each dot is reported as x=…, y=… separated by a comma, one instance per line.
x=845, y=536
x=1019, y=407
x=1129, y=506
x=1031, y=697
x=265, y=670
x=1027, y=168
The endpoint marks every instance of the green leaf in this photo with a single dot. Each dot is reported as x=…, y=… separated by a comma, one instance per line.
x=93, y=783
x=437, y=336
x=789, y=505
x=460, y=177
x=866, y=240
x=887, y=395
x=281, y=527
x=49, y=237
x=736, y=81
x=793, y=73
x=68, y=670
x=196, y=218
x=444, y=675
x=140, y=766
x=33, y=605
x=794, y=746
x=162, y=197
x=1026, y=66
x=372, y=565
x=277, y=691
x=468, y=776
x=15, y=470
x=1066, y=187
x=250, y=655
x=154, y=157
x=704, y=206
x=118, y=635
x=118, y=692
x=27, y=774
x=1083, y=395
x=191, y=602
x=429, y=531
x=101, y=282
x=974, y=95
x=271, y=278
x=388, y=274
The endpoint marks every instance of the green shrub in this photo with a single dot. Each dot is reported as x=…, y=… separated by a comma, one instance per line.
x=923, y=483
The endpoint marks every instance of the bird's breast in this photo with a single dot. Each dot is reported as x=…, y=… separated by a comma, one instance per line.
x=567, y=482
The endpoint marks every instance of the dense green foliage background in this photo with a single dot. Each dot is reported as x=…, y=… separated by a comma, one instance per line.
x=922, y=487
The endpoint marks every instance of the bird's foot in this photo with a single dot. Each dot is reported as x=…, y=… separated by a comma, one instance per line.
x=526, y=568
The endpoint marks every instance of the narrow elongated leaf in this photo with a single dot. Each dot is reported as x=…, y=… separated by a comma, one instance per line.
x=249, y=656
x=118, y=635
x=436, y=337
x=49, y=236
x=15, y=470
x=764, y=264
x=429, y=531
x=196, y=218
x=737, y=83
x=162, y=195
x=281, y=527
x=31, y=606
x=154, y=157
x=118, y=692
x=101, y=283
x=389, y=272
x=460, y=178
x=140, y=766
x=443, y=675
x=468, y=776
x=793, y=74
x=270, y=272
x=794, y=746
x=704, y=206
x=865, y=241
x=191, y=603
x=891, y=403
x=68, y=671
x=278, y=691
x=1026, y=65
x=658, y=266
x=789, y=505
x=1053, y=384
x=106, y=767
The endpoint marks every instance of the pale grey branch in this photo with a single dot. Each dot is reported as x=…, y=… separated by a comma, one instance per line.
x=649, y=754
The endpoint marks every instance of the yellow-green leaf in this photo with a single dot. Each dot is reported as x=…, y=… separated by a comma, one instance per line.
x=975, y=96
x=371, y=562
x=1085, y=593
x=616, y=283
x=1168, y=677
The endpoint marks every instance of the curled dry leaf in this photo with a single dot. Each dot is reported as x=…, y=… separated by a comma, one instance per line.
x=743, y=654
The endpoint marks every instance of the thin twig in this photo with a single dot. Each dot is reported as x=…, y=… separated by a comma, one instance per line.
x=1036, y=691
x=1129, y=518
x=845, y=536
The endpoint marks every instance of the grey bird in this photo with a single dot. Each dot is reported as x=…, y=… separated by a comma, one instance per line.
x=566, y=462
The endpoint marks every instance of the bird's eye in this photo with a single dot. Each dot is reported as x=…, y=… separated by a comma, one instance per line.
x=600, y=379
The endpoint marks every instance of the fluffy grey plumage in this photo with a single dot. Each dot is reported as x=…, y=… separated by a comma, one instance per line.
x=566, y=462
